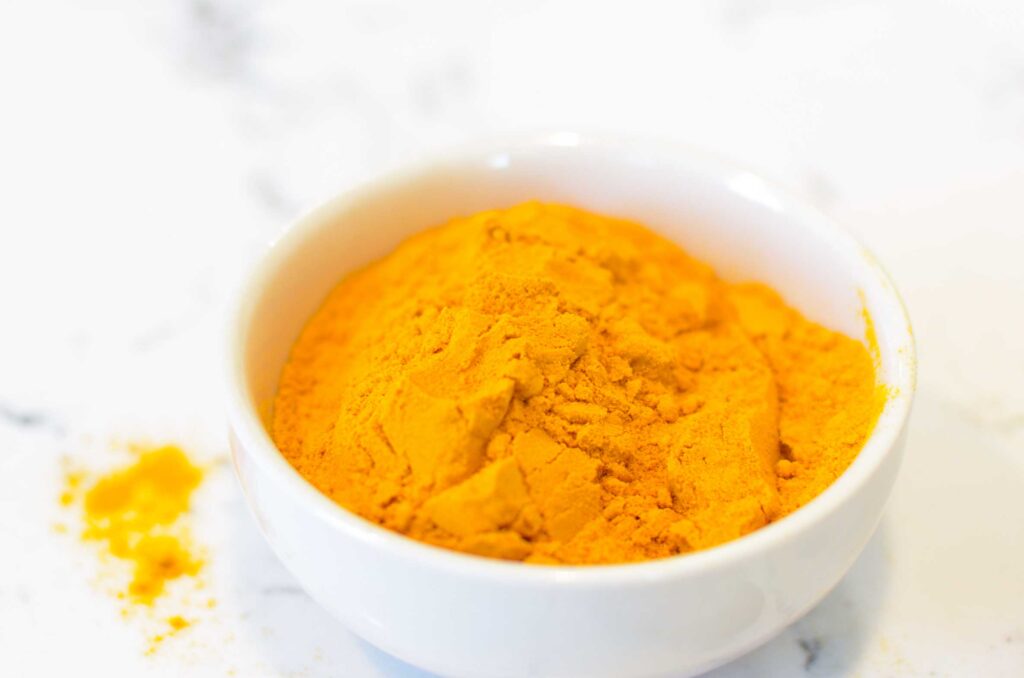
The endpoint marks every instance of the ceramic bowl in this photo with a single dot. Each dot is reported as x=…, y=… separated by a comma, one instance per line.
x=463, y=615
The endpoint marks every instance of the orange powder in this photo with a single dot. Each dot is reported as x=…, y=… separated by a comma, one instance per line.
x=554, y=386
x=134, y=512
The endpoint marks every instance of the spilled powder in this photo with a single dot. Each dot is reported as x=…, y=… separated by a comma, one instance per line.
x=174, y=625
x=137, y=514
x=133, y=512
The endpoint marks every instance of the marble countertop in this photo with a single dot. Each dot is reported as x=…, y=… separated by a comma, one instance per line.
x=149, y=151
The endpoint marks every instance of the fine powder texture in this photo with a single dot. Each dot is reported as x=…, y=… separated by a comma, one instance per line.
x=545, y=384
x=135, y=511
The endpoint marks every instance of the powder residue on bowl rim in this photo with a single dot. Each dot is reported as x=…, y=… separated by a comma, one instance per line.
x=545, y=384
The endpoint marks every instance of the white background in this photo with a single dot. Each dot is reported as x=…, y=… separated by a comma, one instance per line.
x=149, y=150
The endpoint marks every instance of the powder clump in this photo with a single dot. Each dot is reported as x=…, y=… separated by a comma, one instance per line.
x=134, y=512
x=545, y=384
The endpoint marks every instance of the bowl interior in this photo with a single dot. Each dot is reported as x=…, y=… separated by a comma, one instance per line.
x=730, y=218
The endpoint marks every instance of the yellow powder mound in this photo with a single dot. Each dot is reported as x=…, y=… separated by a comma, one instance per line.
x=549, y=385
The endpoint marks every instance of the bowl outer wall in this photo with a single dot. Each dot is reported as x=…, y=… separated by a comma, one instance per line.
x=457, y=625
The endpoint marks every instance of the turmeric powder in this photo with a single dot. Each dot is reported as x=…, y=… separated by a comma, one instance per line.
x=553, y=386
x=134, y=510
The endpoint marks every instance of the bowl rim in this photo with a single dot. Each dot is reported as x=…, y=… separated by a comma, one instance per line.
x=247, y=426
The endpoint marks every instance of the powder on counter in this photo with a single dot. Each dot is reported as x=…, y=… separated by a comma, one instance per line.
x=545, y=384
x=135, y=513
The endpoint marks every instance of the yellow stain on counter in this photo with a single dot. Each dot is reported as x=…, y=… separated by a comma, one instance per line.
x=177, y=622
x=135, y=512
x=138, y=514
x=72, y=485
x=174, y=624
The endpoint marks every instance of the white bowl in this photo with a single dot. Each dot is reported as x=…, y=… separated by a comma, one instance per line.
x=464, y=615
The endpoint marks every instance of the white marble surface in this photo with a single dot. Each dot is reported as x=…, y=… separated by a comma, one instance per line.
x=149, y=150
